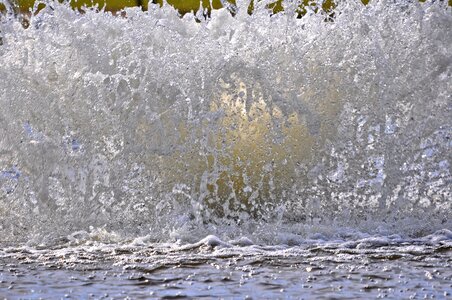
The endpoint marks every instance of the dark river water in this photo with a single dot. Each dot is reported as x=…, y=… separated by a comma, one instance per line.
x=368, y=268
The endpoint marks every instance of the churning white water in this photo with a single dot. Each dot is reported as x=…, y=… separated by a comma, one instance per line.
x=257, y=129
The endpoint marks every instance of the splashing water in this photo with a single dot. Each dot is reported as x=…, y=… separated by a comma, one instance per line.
x=264, y=125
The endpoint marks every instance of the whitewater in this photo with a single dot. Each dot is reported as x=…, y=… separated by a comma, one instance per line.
x=227, y=153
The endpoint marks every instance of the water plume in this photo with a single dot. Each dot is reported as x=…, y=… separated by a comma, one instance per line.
x=264, y=124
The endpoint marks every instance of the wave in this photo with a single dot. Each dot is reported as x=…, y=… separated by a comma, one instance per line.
x=177, y=127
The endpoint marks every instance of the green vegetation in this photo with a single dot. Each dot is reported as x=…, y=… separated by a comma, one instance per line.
x=182, y=5
x=115, y=5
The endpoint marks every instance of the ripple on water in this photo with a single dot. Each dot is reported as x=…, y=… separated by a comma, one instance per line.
x=170, y=271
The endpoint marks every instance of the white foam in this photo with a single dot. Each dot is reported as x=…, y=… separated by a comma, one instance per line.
x=283, y=130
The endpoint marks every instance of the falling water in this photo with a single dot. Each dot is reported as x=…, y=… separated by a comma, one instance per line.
x=272, y=126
